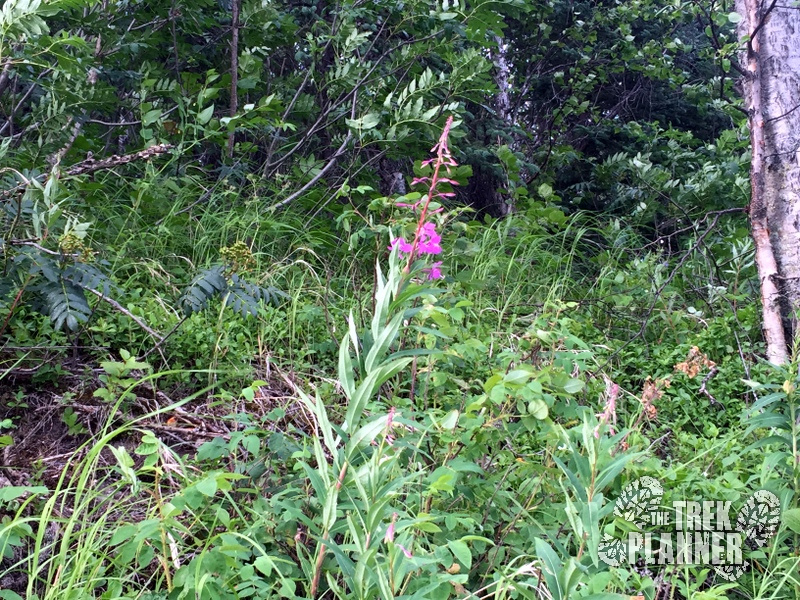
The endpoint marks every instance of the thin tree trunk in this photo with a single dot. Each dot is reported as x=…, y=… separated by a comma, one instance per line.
x=502, y=78
x=502, y=104
x=237, y=5
x=772, y=59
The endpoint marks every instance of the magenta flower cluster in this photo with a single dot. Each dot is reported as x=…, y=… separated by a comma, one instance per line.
x=426, y=239
x=429, y=242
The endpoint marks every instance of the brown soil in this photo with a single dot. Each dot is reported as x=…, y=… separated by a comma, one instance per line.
x=53, y=427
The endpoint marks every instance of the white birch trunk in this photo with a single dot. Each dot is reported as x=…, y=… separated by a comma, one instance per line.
x=772, y=97
x=502, y=101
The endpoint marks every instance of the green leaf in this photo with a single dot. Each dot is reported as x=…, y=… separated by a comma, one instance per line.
x=151, y=116
x=461, y=551
x=13, y=492
x=122, y=534
x=204, y=116
x=367, y=433
x=369, y=386
x=538, y=409
x=517, y=376
x=551, y=568
x=442, y=479
x=573, y=386
x=368, y=121
x=264, y=565
x=207, y=486
x=205, y=285
x=791, y=518
x=346, y=378
x=491, y=382
x=382, y=342
x=450, y=420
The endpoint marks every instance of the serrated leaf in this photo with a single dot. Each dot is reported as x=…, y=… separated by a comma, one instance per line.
x=204, y=286
x=241, y=301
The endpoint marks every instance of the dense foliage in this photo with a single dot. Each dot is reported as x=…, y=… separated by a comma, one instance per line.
x=260, y=341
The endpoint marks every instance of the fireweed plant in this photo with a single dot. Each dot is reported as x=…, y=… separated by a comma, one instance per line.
x=372, y=539
x=426, y=239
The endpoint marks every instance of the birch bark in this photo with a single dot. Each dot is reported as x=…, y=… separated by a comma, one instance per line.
x=771, y=58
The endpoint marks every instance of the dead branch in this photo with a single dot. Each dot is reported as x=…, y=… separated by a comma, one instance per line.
x=91, y=165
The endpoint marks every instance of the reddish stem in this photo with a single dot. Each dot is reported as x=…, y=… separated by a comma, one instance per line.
x=440, y=158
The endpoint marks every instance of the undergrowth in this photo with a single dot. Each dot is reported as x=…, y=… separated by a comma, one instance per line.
x=374, y=423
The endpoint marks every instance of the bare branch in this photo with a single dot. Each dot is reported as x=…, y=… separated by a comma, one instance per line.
x=316, y=177
x=90, y=165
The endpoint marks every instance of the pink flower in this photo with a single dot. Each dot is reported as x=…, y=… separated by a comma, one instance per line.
x=406, y=552
x=434, y=272
x=429, y=241
x=389, y=537
x=404, y=245
x=426, y=239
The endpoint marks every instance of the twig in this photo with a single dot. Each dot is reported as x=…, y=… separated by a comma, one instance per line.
x=56, y=158
x=761, y=23
x=90, y=165
x=663, y=286
x=363, y=83
x=316, y=177
x=703, y=390
x=40, y=248
x=285, y=116
x=27, y=94
x=165, y=338
x=115, y=123
x=206, y=195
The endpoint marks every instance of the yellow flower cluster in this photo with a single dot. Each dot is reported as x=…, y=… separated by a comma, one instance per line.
x=73, y=246
x=238, y=257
